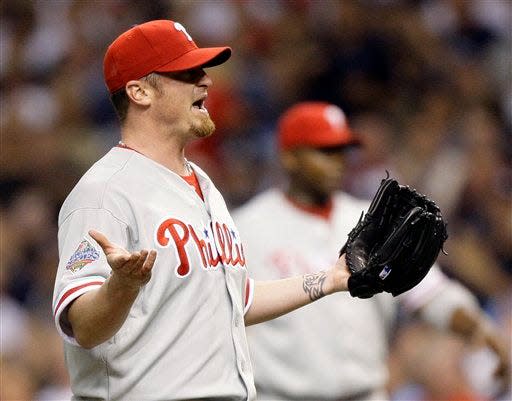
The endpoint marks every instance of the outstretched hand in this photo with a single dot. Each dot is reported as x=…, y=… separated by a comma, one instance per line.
x=130, y=269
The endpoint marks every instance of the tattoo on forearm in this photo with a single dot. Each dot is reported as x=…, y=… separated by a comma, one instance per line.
x=313, y=285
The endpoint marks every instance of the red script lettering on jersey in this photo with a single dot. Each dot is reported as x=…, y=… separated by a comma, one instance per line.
x=216, y=244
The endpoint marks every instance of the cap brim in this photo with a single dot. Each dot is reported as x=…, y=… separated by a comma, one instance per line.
x=322, y=143
x=351, y=140
x=340, y=146
x=202, y=57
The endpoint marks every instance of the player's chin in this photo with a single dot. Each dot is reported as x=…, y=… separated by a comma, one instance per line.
x=203, y=128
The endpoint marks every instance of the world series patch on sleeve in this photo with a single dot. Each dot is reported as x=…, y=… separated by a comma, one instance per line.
x=394, y=245
x=84, y=254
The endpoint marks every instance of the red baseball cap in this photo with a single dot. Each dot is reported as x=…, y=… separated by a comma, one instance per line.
x=314, y=124
x=156, y=46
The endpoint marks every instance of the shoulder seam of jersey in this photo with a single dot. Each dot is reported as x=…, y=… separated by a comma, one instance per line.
x=105, y=186
x=95, y=208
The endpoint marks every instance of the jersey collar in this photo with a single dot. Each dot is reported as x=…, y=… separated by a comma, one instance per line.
x=323, y=212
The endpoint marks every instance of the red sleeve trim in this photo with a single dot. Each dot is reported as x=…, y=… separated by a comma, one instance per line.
x=71, y=291
x=249, y=294
x=247, y=289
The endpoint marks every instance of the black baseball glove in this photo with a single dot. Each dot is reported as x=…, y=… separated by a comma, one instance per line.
x=394, y=245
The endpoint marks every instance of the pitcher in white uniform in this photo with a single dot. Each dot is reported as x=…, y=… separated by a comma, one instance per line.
x=336, y=348
x=151, y=293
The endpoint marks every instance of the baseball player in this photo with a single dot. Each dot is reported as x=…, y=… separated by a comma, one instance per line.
x=335, y=349
x=152, y=294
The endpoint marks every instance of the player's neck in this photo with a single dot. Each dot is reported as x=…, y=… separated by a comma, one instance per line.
x=169, y=153
x=319, y=207
x=308, y=198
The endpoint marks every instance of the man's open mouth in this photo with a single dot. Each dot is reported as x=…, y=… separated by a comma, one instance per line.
x=199, y=104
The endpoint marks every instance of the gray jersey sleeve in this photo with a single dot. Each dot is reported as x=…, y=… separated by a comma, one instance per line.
x=82, y=264
x=437, y=296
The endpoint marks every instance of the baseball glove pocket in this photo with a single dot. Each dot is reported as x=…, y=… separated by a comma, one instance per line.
x=394, y=245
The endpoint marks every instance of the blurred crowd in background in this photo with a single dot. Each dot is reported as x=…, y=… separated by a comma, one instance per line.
x=426, y=84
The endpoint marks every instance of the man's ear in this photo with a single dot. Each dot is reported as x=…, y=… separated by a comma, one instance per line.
x=138, y=92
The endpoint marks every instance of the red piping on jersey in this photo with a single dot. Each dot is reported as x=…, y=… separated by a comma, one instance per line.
x=247, y=289
x=73, y=290
x=125, y=146
x=320, y=211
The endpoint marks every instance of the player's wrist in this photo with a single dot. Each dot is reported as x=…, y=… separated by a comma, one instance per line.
x=330, y=283
x=341, y=275
x=337, y=278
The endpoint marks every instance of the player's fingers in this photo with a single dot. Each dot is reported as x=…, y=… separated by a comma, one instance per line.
x=134, y=263
x=123, y=263
x=145, y=263
x=149, y=262
x=139, y=264
x=119, y=262
x=102, y=240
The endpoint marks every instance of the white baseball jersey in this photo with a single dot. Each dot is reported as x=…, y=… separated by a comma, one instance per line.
x=184, y=337
x=335, y=348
